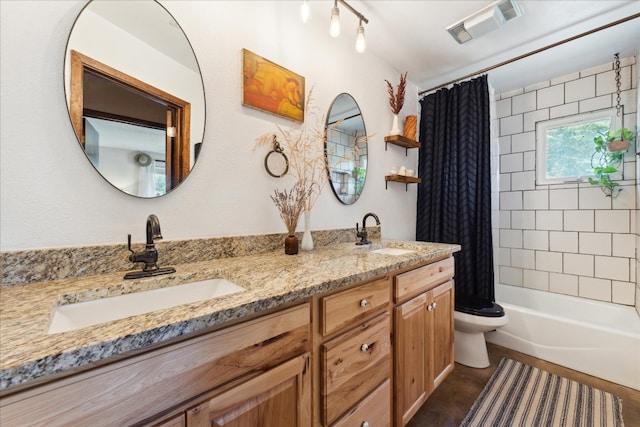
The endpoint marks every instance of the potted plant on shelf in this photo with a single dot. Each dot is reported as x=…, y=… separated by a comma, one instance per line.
x=610, y=148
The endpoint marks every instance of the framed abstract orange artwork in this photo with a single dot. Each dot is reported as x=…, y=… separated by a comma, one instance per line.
x=269, y=87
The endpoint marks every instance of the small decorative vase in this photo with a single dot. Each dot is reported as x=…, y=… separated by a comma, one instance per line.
x=410, y=124
x=395, y=129
x=291, y=245
x=307, y=239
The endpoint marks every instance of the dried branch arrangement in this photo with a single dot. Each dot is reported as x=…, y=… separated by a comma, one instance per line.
x=290, y=204
x=396, y=100
x=305, y=149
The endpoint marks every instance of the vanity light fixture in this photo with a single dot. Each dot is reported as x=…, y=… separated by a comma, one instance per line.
x=305, y=11
x=361, y=43
x=334, y=27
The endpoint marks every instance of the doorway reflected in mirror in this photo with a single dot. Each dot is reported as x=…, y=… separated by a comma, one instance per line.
x=123, y=80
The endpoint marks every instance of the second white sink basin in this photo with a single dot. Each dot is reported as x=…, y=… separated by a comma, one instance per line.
x=392, y=251
x=70, y=317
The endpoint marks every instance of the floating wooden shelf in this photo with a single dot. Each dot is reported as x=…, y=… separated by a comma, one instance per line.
x=401, y=141
x=403, y=179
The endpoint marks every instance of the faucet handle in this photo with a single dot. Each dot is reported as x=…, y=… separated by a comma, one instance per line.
x=129, y=243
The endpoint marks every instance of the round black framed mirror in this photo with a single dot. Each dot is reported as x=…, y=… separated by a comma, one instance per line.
x=346, y=149
x=134, y=91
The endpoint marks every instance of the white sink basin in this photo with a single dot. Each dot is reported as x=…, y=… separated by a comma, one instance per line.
x=70, y=317
x=392, y=251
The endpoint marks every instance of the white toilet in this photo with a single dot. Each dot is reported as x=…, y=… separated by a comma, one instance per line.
x=472, y=318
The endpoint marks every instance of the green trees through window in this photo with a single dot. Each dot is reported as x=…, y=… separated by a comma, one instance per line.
x=565, y=146
x=570, y=148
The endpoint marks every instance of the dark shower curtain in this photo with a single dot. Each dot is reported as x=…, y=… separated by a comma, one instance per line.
x=454, y=197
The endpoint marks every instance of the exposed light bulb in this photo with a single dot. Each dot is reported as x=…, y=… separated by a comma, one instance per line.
x=334, y=27
x=361, y=43
x=305, y=11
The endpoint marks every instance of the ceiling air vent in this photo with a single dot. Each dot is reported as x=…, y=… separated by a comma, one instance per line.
x=485, y=20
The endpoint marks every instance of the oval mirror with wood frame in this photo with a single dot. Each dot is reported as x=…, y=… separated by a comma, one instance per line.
x=134, y=91
x=346, y=149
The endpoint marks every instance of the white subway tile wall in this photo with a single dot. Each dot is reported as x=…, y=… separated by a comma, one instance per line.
x=567, y=238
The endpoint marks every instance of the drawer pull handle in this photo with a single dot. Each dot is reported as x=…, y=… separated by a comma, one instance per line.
x=365, y=424
x=435, y=304
x=364, y=303
x=365, y=347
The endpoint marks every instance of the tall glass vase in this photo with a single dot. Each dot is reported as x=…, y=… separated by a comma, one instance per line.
x=307, y=239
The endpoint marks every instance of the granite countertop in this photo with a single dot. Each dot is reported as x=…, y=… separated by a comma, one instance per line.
x=28, y=353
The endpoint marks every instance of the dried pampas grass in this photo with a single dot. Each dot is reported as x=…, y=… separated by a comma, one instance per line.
x=304, y=147
x=396, y=100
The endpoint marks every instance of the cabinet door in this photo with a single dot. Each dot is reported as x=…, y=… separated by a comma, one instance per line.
x=441, y=333
x=279, y=397
x=411, y=368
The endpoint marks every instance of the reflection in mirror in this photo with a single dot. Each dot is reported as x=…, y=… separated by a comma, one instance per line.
x=135, y=95
x=346, y=149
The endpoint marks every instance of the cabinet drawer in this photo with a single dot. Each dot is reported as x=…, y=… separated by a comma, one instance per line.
x=375, y=410
x=354, y=364
x=424, y=278
x=346, y=307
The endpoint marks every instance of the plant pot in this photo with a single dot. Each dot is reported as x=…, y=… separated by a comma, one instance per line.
x=618, y=145
x=291, y=245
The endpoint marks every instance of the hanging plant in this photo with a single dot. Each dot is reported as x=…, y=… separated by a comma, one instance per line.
x=610, y=148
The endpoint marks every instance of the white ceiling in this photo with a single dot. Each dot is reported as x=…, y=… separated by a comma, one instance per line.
x=412, y=36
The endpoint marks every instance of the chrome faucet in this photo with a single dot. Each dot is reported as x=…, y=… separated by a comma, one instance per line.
x=363, y=235
x=150, y=254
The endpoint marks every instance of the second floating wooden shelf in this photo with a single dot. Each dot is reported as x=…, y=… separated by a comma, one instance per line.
x=403, y=179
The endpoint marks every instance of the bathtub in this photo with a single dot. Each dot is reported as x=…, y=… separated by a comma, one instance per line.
x=594, y=337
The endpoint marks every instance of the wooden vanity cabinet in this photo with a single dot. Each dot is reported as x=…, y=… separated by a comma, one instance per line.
x=260, y=366
x=353, y=356
x=423, y=335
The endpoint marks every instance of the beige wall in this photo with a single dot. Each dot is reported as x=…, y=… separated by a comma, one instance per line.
x=52, y=197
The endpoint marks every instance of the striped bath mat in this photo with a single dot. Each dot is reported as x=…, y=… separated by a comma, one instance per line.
x=521, y=395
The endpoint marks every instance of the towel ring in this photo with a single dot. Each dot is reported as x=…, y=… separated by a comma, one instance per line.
x=278, y=165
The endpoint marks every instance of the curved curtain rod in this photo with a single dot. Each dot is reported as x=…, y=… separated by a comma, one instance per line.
x=533, y=52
